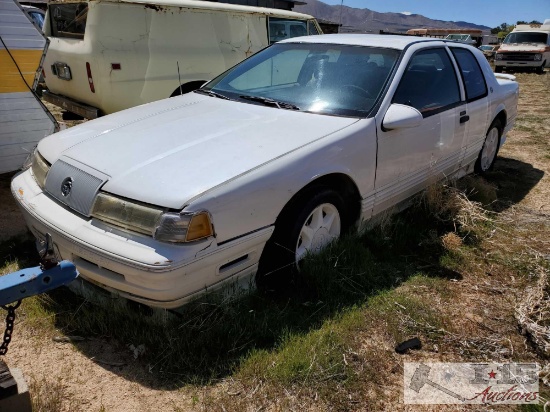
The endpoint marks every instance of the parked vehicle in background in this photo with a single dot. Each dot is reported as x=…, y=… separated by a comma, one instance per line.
x=37, y=15
x=526, y=47
x=489, y=39
x=270, y=161
x=489, y=51
x=110, y=55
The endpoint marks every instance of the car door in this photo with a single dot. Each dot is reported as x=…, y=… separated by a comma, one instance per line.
x=476, y=116
x=409, y=158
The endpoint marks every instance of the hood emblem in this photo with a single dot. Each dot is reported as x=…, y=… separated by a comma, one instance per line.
x=67, y=186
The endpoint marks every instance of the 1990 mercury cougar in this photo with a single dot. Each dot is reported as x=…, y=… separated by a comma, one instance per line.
x=270, y=161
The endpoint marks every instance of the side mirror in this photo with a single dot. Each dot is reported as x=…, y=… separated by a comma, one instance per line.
x=400, y=116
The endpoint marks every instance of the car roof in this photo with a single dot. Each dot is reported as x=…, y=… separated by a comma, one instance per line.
x=32, y=8
x=369, y=40
x=208, y=5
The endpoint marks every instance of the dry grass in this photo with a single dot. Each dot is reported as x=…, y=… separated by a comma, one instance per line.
x=533, y=312
x=50, y=395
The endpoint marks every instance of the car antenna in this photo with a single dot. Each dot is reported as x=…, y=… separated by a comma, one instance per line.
x=341, y=6
x=179, y=79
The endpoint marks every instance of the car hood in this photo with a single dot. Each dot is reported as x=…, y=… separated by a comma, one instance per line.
x=169, y=152
x=519, y=47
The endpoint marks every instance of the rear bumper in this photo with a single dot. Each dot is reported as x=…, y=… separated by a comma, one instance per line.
x=88, y=112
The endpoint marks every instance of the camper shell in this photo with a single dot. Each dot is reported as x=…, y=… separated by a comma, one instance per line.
x=107, y=56
x=526, y=47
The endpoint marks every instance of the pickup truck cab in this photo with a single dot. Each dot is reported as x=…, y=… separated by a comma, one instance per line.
x=109, y=55
x=526, y=47
x=268, y=162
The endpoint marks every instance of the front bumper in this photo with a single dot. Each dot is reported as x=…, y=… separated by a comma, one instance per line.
x=84, y=110
x=518, y=64
x=135, y=266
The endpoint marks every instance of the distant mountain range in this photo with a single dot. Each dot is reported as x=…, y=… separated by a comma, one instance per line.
x=365, y=20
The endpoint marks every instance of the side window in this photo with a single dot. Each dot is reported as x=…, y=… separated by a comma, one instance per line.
x=473, y=78
x=429, y=83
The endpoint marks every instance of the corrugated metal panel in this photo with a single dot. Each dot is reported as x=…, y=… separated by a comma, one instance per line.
x=23, y=122
x=16, y=30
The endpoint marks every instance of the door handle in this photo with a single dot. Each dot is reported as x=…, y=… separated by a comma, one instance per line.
x=464, y=119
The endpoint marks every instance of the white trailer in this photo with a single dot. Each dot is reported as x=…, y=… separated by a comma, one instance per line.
x=109, y=55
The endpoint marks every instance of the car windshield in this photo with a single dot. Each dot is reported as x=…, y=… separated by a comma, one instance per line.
x=526, y=37
x=330, y=79
x=457, y=37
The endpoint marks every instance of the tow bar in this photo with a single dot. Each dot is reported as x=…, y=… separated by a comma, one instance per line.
x=14, y=287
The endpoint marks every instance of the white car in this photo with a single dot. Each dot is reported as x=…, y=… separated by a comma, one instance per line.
x=268, y=162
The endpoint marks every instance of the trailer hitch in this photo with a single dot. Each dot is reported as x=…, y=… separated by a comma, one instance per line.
x=28, y=282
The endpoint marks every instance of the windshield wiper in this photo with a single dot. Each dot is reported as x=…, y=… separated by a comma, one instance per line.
x=270, y=102
x=212, y=94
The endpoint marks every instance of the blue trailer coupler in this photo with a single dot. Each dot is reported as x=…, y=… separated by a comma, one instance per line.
x=34, y=281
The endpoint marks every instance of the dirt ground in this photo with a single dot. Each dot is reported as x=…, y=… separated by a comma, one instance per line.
x=100, y=375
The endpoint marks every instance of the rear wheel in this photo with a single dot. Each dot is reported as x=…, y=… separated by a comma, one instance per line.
x=488, y=154
x=305, y=227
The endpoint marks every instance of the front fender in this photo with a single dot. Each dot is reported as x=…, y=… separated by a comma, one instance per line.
x=254, y=200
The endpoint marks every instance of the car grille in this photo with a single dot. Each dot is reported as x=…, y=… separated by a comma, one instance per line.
x=518, y=56
x=83, y=187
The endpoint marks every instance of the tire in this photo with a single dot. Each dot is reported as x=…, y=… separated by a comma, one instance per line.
x=498, y=69
x=540, y=69
x=310, y=213
x=489, y=151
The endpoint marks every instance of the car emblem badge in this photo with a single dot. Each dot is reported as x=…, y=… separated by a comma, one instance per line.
x=67, y=186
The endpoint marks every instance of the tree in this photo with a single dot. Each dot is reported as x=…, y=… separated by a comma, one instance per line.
x=535, y=22
x=504, y=27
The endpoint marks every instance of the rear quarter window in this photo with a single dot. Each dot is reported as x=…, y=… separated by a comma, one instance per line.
x=473, y=78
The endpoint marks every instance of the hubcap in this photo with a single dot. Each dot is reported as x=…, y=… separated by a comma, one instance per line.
x=321, y=227
x=489, y=149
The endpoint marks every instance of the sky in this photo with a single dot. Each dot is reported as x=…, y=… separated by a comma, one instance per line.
x=485, y=12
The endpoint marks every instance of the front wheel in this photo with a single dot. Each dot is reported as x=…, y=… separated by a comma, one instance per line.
x=498, y=69
x=488, y=154
x=304, y=228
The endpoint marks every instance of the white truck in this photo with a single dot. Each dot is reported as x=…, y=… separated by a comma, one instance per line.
x=109, y=55
x=526, y=47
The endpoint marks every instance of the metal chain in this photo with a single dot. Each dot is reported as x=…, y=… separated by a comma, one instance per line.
x=10, y=319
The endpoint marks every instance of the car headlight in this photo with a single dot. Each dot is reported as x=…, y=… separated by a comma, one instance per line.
x=151, y=220
x=498, y=56
x=39, y=168
x=538, y=57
